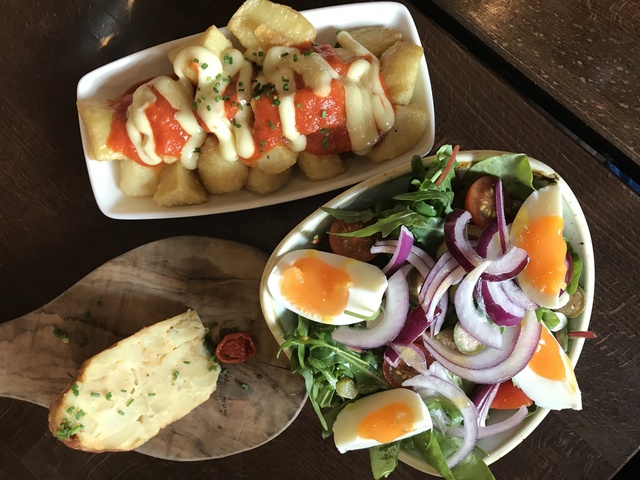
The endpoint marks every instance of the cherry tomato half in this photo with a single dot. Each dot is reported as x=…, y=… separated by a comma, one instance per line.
x=510, y=397
x=235, y=348
x=480, y=201
x=396, y=375
x=353, y=247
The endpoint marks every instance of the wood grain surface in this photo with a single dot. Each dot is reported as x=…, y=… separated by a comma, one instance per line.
x=583, y=54
x=254, y=401
x=53, y=234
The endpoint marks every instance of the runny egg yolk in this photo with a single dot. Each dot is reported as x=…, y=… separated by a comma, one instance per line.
x=542, y=239
x=315, y=287
x=387, y=423
x=547, y=359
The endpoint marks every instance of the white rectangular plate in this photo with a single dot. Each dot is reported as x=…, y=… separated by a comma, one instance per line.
x=111, y=80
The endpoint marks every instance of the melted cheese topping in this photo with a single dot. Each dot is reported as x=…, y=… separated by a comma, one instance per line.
x=225, y=87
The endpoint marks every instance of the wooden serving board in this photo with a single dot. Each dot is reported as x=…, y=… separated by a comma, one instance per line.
x=219, y=279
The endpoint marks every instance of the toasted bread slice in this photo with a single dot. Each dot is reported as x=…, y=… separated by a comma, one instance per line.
x=124, y=395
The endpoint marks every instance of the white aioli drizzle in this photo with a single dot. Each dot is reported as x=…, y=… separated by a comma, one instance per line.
x=368, y=109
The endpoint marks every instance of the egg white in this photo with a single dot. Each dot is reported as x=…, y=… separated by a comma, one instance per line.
x=548, y=393
x=365, y=294
x=345, y=428
x=542, y=203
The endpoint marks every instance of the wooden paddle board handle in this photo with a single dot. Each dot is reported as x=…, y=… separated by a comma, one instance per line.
x=40, y=352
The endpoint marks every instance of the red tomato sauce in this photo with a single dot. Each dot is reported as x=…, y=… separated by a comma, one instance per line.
x=118, y=139
x=170, y=137
x=323, y=120
x=235, y=348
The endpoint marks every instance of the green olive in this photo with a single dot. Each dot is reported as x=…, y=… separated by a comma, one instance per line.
x=346, y=388
x=465, y=342
x=445, y=337
x=575, y=305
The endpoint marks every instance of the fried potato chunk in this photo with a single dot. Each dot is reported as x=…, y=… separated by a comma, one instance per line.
x=217, y=174
x=277, y=160
x=376, y=39
x=96, y=117
x=261, y=23
x=399, y=66
x=179, y=186
x=411, y=122
x=261, y=183
x=316, y=167
x=139, y=180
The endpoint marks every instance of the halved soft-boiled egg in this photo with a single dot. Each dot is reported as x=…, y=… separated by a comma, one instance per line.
x=537, y=229
x=549, y=379
x=380, y=418
x=326, y=287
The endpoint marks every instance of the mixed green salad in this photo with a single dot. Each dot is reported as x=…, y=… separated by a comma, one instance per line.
x=465, y=329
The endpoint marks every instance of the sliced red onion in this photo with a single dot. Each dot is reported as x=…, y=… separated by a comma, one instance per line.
x=399, y=257
x=412, y=356
x=482, y=396
x=443, y=267
x=498, y=305
x=486, y=358
x=473, y=320
x=415, y=324
x=455, y=236
x=501, y=220
x=516, y=296
x=519, y=357
x=439, y=315
x=454, y=278
x=488, y=245
x=425, y=385
x=490, y=430
x=386, y=328
x=503, y=268
x=417, y=257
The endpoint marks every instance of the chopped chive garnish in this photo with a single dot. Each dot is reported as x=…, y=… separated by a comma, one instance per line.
x=70, y=409
x=295, y=57
x=204, y=66
x=152, y=394
x=275, y=102
x=129, y=402
x=211, y=367
x=74, y=389
x=176, y=373
x=60, y=335
x=121, y=412
x=284, y=54
x=208, y=108
x=196, y=150
x=196, y=60
x=273, y=127
x=75, y=429
x=186, y=362
x=323, y=114
x=95, y=394
x=108, y=395
x=308, y=53
x=81, y=413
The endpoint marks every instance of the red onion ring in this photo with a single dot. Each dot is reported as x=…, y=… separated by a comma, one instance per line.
x=487, y=431
x=486, y=358
x=401, y=253
x=518, y=359
x=414, y=326
x=497, y=304
x=425, y=385
x=390, y=323
x=473, y=320
x=502, y=222
x=507, y=266
x=482, y=396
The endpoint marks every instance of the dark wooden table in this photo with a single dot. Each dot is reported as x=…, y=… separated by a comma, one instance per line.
x=53, y=234
x=577, y=59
